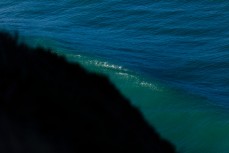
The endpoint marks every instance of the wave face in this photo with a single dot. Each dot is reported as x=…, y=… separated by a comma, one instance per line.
x=170, y=58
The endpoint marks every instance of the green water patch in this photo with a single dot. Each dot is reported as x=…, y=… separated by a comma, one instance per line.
x=189, y=121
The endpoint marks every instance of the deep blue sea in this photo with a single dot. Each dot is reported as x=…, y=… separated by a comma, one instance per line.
x=170, y=58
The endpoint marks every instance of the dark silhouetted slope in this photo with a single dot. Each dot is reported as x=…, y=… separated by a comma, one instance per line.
x=48, y=105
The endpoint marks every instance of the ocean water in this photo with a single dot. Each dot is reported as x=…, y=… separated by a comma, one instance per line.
x=170, y=58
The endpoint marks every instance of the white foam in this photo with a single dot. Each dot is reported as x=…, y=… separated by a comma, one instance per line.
x=106, y=65
x=112, y=70
x=150, y=85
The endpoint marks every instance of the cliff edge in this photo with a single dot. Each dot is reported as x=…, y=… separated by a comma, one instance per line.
x=48, y=105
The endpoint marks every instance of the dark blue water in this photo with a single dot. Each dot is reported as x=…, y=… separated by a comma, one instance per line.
x=171, y=58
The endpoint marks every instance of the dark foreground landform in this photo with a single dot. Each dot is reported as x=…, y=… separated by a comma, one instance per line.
x=48, y=105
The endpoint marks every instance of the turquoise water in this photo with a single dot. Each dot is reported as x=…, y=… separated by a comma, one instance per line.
x=189, y=121
x=170, y=58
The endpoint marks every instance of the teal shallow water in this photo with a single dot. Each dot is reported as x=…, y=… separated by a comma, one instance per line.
x=188, y=121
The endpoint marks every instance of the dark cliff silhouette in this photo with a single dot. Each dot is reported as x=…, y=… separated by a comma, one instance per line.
x=48, y=105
